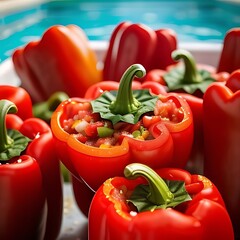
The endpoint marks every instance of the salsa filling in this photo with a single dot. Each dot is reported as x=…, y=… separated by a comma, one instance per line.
x=89, y=128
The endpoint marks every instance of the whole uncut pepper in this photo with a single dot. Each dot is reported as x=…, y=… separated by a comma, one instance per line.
x=39, y=146
x=170, y=126
x=221, y=108
x=61, y=61
x=165, y=204
x=22, y=202
x=21, y=99
x=137, y=43
x=229, y=59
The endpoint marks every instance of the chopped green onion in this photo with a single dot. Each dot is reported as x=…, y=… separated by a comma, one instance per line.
x=136, y=133
x=104, y=132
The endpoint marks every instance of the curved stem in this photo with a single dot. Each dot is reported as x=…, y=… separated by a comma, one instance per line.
x=6, y=107
x=159, y=191
x=55, y=99
x=45, y=109
x=191, y=74
x=125, y=102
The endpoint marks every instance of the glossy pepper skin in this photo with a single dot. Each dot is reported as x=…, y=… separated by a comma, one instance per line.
x=41, y=149
x=61, y=61
x=190, y=80
x=221, y=108
x=22, y=206
x=201, y=217
x=132, y=43
x=22, y=202
x=229, y=59
x=21, y=99
x=167, y=145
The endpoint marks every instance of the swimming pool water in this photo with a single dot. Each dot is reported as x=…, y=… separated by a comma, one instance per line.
x=193, y=21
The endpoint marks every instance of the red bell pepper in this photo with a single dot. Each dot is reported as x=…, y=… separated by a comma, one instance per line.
x=165, y=204
x=221, y=108
x=22, y=198
x=229, y=59
x=61, y=61
x=22, y=202
x=168, y=134
x=137, y=43
x=21, y=99
x=196, y=159
x=16, y=215
x=190, y=80
x=79, y=187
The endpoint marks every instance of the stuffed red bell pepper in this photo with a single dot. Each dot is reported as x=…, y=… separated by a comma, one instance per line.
x=221, y=108
x=82, y=193
x=165, y=204
x=137, y=43
x=191, y=81
x=27, y=145
x=62, y=60
x=97, y=138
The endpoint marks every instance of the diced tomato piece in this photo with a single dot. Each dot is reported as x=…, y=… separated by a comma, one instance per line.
x=150, y=120
x=123, y=126
x=83, y=113
x=168, y=110
x=106, y=141
x=67, y=126
x=80, y=137
x=72, y=109
x=135, y=127
x=91, y=129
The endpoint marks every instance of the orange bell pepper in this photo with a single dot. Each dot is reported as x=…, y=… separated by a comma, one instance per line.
x=61, y=61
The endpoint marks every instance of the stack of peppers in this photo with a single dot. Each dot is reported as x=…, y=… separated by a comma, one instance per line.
x=31, y=199
x=151, y=56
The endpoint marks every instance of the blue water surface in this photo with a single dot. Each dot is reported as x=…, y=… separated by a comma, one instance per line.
x=193, y=21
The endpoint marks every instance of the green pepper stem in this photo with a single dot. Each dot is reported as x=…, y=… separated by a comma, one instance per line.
x=6, y=107
x=125, y=101
x=159, y=191
x=44, y=110
x=191, y=74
